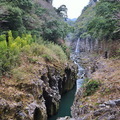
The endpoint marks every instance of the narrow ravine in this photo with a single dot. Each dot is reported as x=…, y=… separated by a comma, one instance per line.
x=68, y=98
x=65, y=104
x=81, y=72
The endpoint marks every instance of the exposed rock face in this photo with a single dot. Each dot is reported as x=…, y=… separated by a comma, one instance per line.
x=49, y=1
x=105, y=111
x=92, y=2
x=57, y=85
x=105, y=103
x=66, y=118
x=39, y=96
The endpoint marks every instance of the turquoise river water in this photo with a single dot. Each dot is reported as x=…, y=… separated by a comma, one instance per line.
x=65, y=105
x=68, y=98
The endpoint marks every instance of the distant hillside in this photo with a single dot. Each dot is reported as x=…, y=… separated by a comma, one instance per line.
x=98, y=30
x=25, y=15
x=29, y=16
x=73, y=19
x=71, y=22
x=98, y=27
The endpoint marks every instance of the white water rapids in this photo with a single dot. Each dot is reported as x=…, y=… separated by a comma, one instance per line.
x=81, y=72
x=77, y=46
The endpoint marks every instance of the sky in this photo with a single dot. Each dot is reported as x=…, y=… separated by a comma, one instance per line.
x=74, y=6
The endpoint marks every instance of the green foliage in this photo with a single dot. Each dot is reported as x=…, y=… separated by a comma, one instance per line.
x=2, y=37
x=26, y=50
x=49, y=51
x=52, y=30
x=105, y=24
x=83, y=21
x=99, y=21
x=5, y=55
x=58, y=51
x=85, y=81
x=32, y=60
x=13, y=17
x=62, y=11
x=66, y=50
x=90, y=87
x=47, y=57
x=39, y=10
x=22, y=4
x=9, y=53
x=25, y=18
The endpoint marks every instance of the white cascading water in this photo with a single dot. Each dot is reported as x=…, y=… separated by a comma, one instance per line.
x=81, y=71
x=77, y=46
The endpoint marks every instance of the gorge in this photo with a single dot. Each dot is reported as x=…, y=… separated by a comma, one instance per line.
x=67, y=98
x=41, y=78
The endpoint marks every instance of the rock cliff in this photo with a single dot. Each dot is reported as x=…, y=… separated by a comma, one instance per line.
x=36, y=94
x=102, y=104
x=92, y=2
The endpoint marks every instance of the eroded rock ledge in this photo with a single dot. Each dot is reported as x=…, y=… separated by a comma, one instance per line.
x=104, y=103
x=36, y=96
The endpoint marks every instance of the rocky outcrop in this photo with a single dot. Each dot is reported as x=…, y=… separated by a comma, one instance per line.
x=57, y=84
x=37, y=97
x=49, y=1
x=92, y=2
x=104, y=104
x=108, y=110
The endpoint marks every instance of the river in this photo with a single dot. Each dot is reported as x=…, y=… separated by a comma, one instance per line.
x=65, y=104
x=68, y=98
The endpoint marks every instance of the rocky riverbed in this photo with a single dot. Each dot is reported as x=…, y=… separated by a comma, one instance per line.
x=104, y=102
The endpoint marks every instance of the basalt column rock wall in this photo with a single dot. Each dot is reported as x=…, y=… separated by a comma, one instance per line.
x=39, y=96
x=58, y=82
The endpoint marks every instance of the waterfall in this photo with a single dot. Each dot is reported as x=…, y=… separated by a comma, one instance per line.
x=77, y=46
x=81, y=70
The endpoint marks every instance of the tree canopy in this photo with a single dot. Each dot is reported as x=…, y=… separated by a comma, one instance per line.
x=106, y=23
x=62, y=11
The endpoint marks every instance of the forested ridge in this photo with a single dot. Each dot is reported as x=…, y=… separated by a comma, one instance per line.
x=29, y=16
x=35, y=69
x=27, y=25
x=99, y=24
x=35, y=65
x=98, y=28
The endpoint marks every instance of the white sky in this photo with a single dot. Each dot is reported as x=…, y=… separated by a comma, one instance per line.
x=74, y=6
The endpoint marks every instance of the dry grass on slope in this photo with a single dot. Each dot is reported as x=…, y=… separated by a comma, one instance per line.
x=108, y=73
x=94, y=102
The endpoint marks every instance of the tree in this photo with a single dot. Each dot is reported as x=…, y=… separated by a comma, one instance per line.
x=12, y=18
x=62, y=11
x=105, y=24
x=52, y=30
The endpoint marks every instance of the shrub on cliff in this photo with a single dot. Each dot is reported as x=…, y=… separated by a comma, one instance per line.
x=90, y=87
x=58, y=51
x=10, y=50
x=54, y=29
